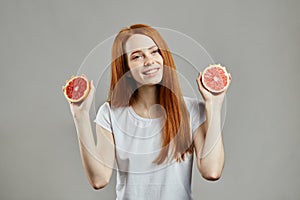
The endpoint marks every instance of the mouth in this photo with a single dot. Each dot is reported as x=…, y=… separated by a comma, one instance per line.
x=151, y=71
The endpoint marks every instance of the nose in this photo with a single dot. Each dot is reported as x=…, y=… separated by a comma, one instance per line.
x=148, y=60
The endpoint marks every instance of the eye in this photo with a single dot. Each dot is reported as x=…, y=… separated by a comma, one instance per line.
x=155, y=51
x=135, y=57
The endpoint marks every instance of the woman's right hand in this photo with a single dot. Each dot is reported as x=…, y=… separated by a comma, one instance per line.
x=83, y=107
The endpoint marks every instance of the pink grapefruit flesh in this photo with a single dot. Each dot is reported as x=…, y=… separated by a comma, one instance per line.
x=76, y=89
x=215, y=78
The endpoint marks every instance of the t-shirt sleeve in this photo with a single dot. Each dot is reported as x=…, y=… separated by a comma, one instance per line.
x=103, y=117
x=197, y=113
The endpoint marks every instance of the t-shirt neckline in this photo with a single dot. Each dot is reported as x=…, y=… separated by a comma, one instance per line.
x=131, y=110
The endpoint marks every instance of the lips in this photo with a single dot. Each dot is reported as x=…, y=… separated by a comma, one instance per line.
x=151, y=70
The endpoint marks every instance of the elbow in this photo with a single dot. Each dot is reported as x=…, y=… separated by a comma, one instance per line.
x=212, y=176
x=99, y=184
x=210, y=173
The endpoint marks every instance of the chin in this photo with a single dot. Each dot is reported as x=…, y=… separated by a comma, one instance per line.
x=153, y=81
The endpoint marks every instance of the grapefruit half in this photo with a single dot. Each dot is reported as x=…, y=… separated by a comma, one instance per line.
x=76, y=89
x=215, y=78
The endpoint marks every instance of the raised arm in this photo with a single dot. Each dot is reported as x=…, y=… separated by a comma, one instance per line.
x=209, y=145
x=97, y=159
x=208, y=137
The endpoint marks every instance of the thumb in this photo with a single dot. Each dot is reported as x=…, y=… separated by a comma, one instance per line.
x=199, y=81
x=92, y=86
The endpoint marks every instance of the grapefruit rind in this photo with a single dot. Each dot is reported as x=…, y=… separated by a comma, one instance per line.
x=220, y=80
x=86, y=91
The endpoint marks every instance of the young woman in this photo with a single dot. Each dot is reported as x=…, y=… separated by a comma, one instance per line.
x=147, y=126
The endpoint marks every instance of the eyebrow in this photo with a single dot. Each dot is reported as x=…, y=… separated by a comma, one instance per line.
x=140, y=50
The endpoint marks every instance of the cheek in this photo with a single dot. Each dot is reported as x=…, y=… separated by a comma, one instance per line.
x=160, y=59
x=135, y=71
x=133, y=65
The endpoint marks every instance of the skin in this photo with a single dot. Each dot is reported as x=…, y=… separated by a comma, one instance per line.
x=210, y=162
x=142, y=55
x=97, y=159
x=142, y=48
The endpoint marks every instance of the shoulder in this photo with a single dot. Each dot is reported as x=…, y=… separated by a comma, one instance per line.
x=104, y=106
x=107, y=109
x=193, y=103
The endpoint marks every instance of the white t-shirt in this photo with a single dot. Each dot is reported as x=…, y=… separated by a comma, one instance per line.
x=138, y=143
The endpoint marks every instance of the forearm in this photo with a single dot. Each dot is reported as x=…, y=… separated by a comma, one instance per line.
x=212, y=156
x=92, y=161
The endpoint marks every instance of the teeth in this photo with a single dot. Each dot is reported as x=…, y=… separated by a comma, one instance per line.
x=151, y=71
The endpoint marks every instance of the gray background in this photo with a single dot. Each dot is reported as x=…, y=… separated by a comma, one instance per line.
x=44, y=42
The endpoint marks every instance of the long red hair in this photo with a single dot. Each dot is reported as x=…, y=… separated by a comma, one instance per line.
x=123, y=92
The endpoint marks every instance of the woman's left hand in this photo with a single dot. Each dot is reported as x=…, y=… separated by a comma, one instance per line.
x=209, y=97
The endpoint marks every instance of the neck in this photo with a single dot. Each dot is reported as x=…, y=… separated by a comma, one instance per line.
x=147, y=96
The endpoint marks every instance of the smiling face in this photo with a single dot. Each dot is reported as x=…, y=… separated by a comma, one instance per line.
x=144, y=60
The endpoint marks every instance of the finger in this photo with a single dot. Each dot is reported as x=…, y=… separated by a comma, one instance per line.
x=199, y=76
x=92, y=85
x=201, y=86
x=230, y=79
x=199, y=80
x=202, y=90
